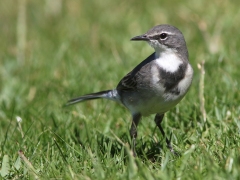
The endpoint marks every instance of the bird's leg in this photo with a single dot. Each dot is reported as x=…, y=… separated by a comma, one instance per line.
x=133, y=131
x=158, y=119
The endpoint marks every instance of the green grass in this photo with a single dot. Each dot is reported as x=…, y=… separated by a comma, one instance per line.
x=85, y=48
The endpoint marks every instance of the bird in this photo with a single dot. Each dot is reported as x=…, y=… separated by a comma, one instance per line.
x=155, y=85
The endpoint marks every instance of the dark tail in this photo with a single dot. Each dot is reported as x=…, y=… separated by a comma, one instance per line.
x=102, y=94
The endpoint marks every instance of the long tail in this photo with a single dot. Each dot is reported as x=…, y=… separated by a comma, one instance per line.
x=108, y=94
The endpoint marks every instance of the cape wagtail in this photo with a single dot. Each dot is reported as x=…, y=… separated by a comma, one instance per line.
x=157, y=84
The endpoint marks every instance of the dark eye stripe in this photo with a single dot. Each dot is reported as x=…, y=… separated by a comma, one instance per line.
x=161, y=36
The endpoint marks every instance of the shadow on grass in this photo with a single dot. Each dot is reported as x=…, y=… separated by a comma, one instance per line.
x=106, y=145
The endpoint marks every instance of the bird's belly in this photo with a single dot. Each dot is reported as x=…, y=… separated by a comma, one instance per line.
x=150, y=102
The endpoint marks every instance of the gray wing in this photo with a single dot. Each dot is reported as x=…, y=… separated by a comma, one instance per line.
x=129, y=82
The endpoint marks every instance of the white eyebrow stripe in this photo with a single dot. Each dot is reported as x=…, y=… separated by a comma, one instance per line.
x=167, y=32
x=157, y=34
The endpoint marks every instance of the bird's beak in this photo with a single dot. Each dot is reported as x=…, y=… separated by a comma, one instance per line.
x=143, y=37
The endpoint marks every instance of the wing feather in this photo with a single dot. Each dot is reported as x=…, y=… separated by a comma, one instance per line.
x=129, y=82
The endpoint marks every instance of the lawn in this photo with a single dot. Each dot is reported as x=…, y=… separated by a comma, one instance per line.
x=51, y=51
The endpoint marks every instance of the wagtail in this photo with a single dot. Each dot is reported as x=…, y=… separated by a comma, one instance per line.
x=157, y=84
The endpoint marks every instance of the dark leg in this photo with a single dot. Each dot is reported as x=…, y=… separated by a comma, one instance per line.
x=133, y=131
x=158, y=119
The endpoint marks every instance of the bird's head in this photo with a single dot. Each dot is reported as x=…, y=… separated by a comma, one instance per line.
x=164, y=38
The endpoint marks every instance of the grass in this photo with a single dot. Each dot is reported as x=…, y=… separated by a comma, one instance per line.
x=85, y=48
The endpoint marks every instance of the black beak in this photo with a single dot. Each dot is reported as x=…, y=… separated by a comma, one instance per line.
x=140, y=38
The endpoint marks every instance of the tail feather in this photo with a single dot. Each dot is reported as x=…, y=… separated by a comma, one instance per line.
x=101, y=94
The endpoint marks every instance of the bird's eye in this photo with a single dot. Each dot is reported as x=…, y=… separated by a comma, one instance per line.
x=163, y=36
